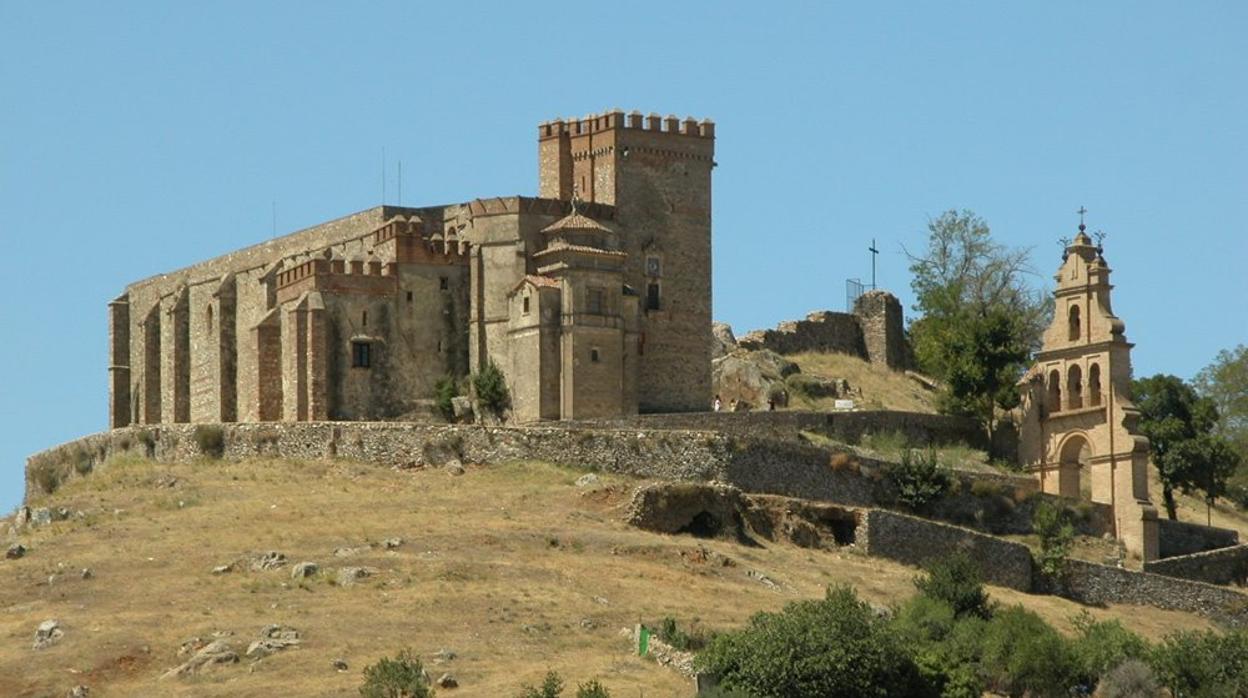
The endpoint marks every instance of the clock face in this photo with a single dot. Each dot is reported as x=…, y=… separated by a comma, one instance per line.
x=652, y=266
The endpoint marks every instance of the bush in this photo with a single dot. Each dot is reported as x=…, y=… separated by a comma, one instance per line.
x=919, y=480
x=490, y=387
x=211, y=440
x=48, y=474
x=1052, y=524
x=956, y=581
x=1101, y=646
x=829, y=648
x=444, y=391
x=401, y=677
x=149, y=442
x=1023, y=654
x=1131, y=679
x=592, y=689
x=552, y=687
x=1203, y=664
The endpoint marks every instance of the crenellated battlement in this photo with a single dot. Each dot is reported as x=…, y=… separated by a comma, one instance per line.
x=322, y=267
x=616, y=119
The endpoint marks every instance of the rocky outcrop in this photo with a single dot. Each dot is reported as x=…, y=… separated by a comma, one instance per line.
x=723, y=341
x=750, y=379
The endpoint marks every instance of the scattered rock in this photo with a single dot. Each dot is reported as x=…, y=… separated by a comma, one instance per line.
x=15, y=551
x=348, y=576
x=454, y=468
x=348, y=552
x=79, y=692
x=41, y=516
x=587, y=623
x=762, y=579
x=723, y=342
x=447, y=681
x=87, y=573
x=166, y=480
x=391, y=543
x=340, y=664
x=22, y=517
x=588, y=480
x=444, y=655
x=268, y=561
x=461, y=408
x=223, y=569
x=212, y=654
x=304, y=569
x=274, y=638
x=48, y=634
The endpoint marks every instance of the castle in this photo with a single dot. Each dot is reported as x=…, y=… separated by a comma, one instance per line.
x=593, y=298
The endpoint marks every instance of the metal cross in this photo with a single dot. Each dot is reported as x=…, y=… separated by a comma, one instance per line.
x=874, y=252
x=1081, y=211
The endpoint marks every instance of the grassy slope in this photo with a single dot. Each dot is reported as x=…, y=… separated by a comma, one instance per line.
x=487, y=554
x=881, y=388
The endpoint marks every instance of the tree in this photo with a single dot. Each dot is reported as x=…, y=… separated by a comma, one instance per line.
x=1225, y=382
x=1180, y=426
x=979, y=320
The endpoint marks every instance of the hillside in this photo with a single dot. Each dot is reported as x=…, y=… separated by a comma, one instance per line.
x=881, y=388
x=515, y=568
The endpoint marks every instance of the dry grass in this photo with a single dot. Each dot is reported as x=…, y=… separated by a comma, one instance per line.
x=882, y=389
x=502, y=565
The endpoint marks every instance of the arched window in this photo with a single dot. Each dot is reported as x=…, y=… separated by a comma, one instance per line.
x=1094, y=385
x=1074, y=387
x=1055, y=391
x=1075, y=325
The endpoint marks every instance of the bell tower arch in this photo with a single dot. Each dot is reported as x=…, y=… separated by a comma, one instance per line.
x=1078, y=430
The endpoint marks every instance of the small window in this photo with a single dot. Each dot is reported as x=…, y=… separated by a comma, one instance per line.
x=593, y=355
x=361, y=354
x=652, y=297
x=444, y=283
x=364, y=318
x=596, y=301
x=409, y=296
x=1075, y=324
x=439, y=346
x=525, y=302
x=654, y=267
x=208, y=314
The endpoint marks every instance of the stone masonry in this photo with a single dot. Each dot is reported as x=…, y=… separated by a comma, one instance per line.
x=874, y=331
x=594, y=298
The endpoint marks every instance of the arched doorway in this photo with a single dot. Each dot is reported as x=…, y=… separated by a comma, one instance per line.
x=1074, y=476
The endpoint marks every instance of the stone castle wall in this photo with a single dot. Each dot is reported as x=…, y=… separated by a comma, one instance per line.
x=914, y=541
x=1176, y=538
x=1223, y=566
x=875, y=332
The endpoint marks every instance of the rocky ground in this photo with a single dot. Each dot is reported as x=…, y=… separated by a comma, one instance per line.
x=271, y=578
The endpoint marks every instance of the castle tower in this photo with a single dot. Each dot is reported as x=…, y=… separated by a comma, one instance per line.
x=657, y=173
x=1078, y=432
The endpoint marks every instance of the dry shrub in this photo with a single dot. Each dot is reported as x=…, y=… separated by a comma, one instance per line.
x=842, y=462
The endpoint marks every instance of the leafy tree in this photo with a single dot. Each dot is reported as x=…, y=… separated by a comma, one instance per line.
x=491, y=388
x=1023, y=655
x=1203, y=664
x=1102, y=646
x=551, y=687
x=979, y=318
x=445, y=390
x=401, y=677
x=1052, y=524
x=918, y=480
x=1180, y=426
x=1225, y=382
x=830, y=648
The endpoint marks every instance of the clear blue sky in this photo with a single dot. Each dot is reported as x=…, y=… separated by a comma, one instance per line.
x=139, y=137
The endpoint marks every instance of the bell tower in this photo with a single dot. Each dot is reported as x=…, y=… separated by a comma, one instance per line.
x=1078, y=432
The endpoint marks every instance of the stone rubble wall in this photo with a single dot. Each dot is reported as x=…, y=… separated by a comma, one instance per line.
x=1093, y=584
x=914, y=541
x=1223, y=566
x=823, y=331
x=1176, y=538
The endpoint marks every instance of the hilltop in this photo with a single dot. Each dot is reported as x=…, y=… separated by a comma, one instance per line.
x=515, y=568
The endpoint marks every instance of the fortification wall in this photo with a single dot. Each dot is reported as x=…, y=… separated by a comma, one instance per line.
x=1176, y=538
x=914, y=541
x=917, y=427
x=822, y=331
x=1224, y=566
x=1093, y=584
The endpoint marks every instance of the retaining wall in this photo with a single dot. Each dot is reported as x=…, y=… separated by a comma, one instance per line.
x=1222, y=566
x=1181, y=538
x=914, y=541
x=1090, y=583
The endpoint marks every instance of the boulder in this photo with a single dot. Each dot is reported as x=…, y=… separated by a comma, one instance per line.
x=348, y=576
x=588, y=480
x=41, y=516
x=340, y=664
x=454, y=468
x=48, y=634
x=723, y=342
x=79, y=691
x=15, y=551
x=304, y=569
x=751, y=377
x=461, y=407
x=273, y=639
x=447, y=681
x=213, y=654
x=268, y=561
x=392, y=543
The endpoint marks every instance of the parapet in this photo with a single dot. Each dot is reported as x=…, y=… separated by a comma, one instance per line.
x=616, y=119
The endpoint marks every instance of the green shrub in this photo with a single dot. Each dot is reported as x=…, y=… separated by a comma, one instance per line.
x=1024, y=655
x=1203, y=664
x=834, y=647
x=721, y=692
x=148, y=440
x=401, y=677
x=1131, y=679
x=1052, y=524
x=956, y=581
x=48, y=474
x=923, y=621
x=592, y=689
x=1101, y=646
x=919, y=480
x=552, y=687
x=210, y=439
x=444, y=391
x=987, y=488
x=491, y=388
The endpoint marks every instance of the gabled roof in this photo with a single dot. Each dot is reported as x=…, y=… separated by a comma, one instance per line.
x=535, y=280
x=559, y=246
x=576, y=221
